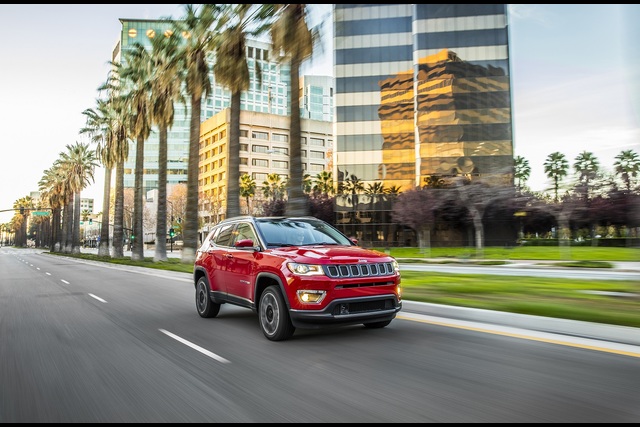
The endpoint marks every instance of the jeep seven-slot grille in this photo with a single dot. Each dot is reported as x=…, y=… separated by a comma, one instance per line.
x=359, y=270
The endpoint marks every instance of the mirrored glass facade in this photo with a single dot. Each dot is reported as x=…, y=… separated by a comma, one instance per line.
x=422, y=90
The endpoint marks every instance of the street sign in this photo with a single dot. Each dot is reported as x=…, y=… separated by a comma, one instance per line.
x=40, y=213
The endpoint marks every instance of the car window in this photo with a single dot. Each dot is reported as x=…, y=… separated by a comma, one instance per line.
x=210, y=238
x=279, y=232
x=244, y=231
x=224, y=236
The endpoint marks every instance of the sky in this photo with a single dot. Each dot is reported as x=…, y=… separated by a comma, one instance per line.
x=575, y=72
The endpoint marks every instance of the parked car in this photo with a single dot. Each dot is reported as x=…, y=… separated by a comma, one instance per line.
x=294, y=273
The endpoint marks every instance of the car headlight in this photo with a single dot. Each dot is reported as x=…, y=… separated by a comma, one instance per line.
x=305, y=269
x=396, y=267
x=311, y=296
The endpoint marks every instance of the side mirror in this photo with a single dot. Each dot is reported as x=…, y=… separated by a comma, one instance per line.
x=245, y=244
x=354, y=240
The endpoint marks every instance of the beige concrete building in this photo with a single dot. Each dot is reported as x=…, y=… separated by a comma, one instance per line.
x=264, y=149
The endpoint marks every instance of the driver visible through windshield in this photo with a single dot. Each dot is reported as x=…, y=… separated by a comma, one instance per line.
x=299, y=232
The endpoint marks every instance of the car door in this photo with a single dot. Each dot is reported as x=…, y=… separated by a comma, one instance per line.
x=218, y=254
x=241, y=263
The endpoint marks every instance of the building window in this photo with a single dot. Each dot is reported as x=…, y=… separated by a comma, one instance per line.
x=260, y=162
x=279, y=164
x=277, y=137
x=260, y=135
x=259, y=148
x=317, y=141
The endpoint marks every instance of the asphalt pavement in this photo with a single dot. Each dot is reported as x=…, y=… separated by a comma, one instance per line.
x=572, y=328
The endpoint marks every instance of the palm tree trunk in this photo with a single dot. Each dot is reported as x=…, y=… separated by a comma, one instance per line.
x=56, y=234
x=161, y=216
x=297, y=205
x=75, y=240
x=233, y=181
x=190, y=230
x=68, y=219
x=118, y=235
x=137, y=248
x=103, y=247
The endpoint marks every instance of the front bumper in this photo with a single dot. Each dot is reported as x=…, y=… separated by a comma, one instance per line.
x=348, y=311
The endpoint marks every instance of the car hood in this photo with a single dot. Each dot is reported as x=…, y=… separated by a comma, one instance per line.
x=331, y=254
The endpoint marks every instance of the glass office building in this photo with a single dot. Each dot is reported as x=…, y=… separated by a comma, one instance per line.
x=422, y=93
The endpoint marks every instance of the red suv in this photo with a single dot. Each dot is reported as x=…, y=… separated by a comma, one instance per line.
x=294, y=273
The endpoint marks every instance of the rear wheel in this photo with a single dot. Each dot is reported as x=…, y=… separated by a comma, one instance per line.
x=206, y=308
x=273, y=315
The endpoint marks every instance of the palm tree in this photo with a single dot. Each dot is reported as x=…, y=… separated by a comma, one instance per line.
x=556, y=167
x=24, y=205
x=307, y=184
x=291, y=35
x=522, y=171
x=99, y=126
x=117, y=147
x=232, y=71
x=137, y=76
x=201, y=39
x=51, y=189
x=323, y=183
x=166, y=84
x=586, y=165
x=247, y=189
x=274, y=187
x=627, y=165
x=353, y=186
x=79, y=162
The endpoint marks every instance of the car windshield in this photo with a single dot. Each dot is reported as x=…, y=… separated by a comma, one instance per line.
x=300, y=232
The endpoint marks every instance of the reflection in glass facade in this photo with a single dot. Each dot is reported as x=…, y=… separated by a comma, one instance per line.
x=421, y=91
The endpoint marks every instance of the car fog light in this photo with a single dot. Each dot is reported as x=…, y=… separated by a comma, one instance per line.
x=310, y=296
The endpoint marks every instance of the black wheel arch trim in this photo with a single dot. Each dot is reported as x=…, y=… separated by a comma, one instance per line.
x=278, y=280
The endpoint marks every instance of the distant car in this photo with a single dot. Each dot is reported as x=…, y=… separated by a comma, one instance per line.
x=294, y=273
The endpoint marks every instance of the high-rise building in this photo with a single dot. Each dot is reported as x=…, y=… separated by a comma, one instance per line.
x=268, y=96
x=271, y=96
x=422, y=92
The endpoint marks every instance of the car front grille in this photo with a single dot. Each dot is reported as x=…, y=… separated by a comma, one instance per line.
x=359, y=270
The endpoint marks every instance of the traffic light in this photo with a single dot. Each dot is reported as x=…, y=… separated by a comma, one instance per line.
x=90, y=221
x=172, y=232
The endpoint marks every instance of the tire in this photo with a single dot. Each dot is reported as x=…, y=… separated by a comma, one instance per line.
x=377, y=325
x=205, y=307
x=273, y=315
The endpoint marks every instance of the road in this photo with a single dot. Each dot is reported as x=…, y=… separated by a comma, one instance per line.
x=92, y=342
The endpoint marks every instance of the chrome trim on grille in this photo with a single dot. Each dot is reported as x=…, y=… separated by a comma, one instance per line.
x=358, y=270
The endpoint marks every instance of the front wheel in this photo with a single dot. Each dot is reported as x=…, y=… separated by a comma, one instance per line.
x=206, y=308
x=273, y=315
